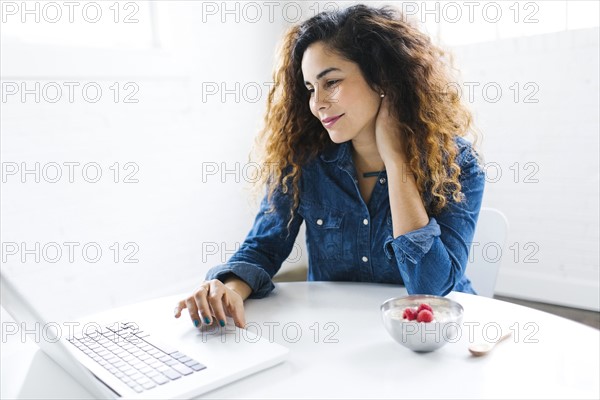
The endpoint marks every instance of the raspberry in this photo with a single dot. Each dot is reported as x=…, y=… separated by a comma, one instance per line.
x=424, y=316
x=409, y=314
x=424, y=306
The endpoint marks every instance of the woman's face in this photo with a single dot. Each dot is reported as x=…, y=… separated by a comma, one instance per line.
x=340, y=97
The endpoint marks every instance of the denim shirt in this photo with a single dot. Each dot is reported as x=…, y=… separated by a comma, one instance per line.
x=348, y=240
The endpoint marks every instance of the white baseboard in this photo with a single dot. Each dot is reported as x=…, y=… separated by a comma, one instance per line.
x=567, y=292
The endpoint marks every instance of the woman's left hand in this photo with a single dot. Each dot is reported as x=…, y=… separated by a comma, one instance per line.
x=387, y=135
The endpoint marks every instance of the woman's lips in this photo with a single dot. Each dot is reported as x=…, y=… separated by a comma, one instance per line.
x=331, y=121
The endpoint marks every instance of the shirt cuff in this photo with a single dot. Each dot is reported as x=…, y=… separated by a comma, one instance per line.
x=257, y=278
x=412, y=245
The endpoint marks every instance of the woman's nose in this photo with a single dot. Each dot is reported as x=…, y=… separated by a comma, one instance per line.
x=321, y=98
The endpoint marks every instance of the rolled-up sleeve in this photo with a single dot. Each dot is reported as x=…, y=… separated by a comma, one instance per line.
x=266, y=246
x=433, y=259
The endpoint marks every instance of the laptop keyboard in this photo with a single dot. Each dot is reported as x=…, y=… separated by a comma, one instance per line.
x=134, y=357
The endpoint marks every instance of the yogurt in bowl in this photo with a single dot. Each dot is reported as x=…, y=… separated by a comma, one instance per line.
x=422, y=336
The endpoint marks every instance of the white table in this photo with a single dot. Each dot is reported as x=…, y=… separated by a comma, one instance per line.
x=339, y=349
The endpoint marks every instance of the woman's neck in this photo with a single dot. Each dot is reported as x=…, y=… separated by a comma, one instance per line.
x=366, y=156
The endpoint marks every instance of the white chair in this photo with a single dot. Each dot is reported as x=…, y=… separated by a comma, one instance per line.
x=487, y=250
x=485, y=254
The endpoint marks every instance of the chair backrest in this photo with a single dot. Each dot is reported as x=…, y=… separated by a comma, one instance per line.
x=487, y=250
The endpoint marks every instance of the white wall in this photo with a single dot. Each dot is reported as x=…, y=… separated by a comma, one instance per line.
x=551, y=130
x=182, y=221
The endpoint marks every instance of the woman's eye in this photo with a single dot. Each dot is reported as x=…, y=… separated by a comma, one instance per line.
x=328, y=84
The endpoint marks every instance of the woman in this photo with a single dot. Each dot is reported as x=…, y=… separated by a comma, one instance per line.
x=368, y=146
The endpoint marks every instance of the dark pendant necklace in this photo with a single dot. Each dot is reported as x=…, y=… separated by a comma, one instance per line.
x=372, y=174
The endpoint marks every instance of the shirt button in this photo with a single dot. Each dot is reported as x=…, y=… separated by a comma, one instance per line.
x=382, y=180
x=365, y=221
x=365, y=259
x=319, y=221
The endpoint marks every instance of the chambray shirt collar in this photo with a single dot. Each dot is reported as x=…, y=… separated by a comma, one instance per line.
x=341, y=154
x=336, y=152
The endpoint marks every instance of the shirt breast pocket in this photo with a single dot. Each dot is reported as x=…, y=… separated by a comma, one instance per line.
x=324, y=230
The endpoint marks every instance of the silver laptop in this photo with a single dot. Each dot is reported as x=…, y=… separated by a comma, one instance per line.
x=141, y=351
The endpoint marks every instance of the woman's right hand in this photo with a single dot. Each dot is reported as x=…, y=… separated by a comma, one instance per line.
x=215, y=299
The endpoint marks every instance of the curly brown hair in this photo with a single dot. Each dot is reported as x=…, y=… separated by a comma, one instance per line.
x=392, y=54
